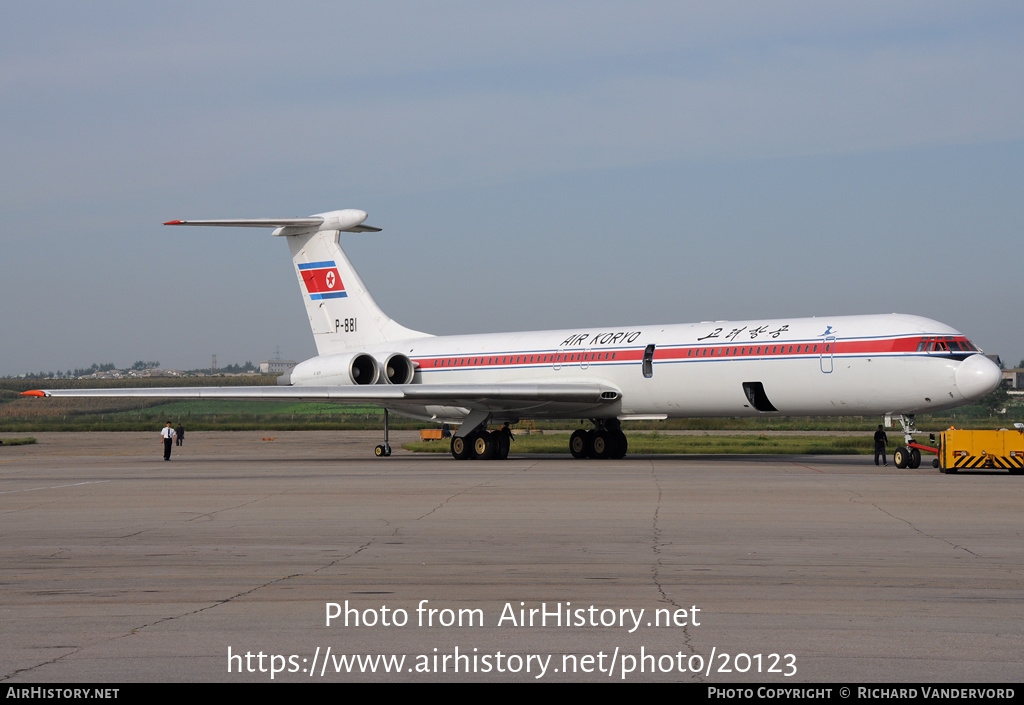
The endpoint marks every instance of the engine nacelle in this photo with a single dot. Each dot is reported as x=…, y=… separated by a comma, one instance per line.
x=396, y=368
x=338, y=369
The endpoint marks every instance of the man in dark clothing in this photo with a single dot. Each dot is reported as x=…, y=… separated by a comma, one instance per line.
x=504, y=441
x=881, y=440
x=179, y=434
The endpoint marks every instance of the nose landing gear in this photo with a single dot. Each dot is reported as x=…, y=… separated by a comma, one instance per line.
x=909, y=454
x=905, y=457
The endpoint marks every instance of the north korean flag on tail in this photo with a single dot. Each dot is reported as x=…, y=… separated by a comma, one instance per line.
x=322, y=280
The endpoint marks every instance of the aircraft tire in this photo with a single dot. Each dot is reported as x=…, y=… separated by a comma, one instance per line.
x=619, y=445
x=461, y=448
x=578, y=444
x=915, y=459
x=483, y=445
x=900, y=457
x=381, y=452
x=599, y=444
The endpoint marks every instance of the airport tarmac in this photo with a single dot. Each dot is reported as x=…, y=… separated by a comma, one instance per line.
x=119, y=567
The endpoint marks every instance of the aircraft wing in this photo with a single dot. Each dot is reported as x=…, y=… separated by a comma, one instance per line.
x=510, y=398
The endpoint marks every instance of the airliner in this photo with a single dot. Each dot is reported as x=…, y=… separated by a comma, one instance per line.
x=893, y=365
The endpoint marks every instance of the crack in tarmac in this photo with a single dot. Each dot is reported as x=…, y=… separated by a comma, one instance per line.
x=924, y=533
x=232, y=598
x=656, y=545
x=446, y=500
x=218, y=603
x=466, y=490
x=856, y=497
x=228, y=509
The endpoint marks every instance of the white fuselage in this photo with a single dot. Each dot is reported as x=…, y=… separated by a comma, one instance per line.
x=846, y=365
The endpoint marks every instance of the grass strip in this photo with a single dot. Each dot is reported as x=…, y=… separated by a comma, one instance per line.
x=17, y=441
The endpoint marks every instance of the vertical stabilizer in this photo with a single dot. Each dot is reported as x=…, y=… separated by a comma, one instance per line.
x=341, y=311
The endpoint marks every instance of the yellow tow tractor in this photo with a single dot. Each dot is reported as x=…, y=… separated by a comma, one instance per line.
x=970, y=450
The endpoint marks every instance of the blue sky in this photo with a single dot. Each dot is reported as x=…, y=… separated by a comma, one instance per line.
x=533, y=165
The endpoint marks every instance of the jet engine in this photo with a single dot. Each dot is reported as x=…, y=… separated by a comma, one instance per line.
x=397, y=369
x=336, y=369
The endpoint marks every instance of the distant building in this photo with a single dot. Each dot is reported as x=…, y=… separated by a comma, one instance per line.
x=276, y=367
x=1015, y=377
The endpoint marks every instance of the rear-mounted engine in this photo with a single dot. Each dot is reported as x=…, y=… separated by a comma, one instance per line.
x=397, y=369
x=338, y=369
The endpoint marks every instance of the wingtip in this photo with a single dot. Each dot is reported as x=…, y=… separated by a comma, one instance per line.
x=175, y=222
x=34, y=393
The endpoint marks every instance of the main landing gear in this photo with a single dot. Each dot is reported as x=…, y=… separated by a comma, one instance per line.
x=605, y=441
x=481, y=444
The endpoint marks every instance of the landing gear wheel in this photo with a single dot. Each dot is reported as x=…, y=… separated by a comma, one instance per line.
x=915, y=459
x=460, y=448
x=599, y=444
x=382, y=451
x=619, y=445
x=901, y=457
x=578, y=444
x=483, y=445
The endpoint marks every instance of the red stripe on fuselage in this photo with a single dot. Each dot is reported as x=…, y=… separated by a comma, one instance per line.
x=670, y=353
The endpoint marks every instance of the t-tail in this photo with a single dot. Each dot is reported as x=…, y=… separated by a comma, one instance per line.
x=341, y=311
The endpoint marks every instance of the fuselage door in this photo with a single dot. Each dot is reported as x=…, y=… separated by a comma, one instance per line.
x=827, y=347
x=649, y=361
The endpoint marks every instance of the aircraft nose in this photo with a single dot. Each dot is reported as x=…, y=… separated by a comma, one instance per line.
x=977, y=376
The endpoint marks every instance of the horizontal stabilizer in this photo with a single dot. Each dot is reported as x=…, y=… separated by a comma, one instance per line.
x=350, y=220
x=253, y=222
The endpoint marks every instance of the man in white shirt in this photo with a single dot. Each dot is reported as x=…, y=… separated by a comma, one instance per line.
x=167, y=434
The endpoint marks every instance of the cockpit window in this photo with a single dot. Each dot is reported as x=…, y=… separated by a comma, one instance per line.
x=946, y=344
